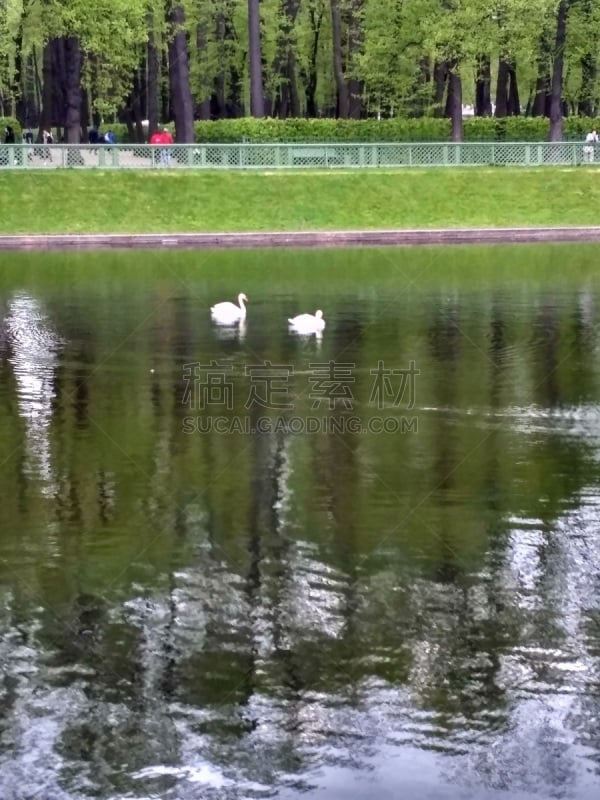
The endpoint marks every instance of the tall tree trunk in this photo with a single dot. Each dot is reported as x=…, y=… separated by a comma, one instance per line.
x=586, y=106
x=284, y=65
x=179, y=77
x=153, y=73
x=455, y=104
x=310, y=77
x=556, y=106
x=587, y=100
x=59, y=82
x=72, y=90
x=37, y=83
x=343, y=94
x=421, y=94
x=165, y=105
x=85, y=111
x=440, y=77
x=507, y=91
x=354, y=45
x=136, y=106
x=131, y=113
x=257, y=101
x=293, y=92
x=219, y=100
x=46, y=117
x=483, y=98
x=502, y=88
x=203, y=107
x=540, y=106
x=514, y=103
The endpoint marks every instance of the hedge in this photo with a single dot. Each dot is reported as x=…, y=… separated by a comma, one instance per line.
x=424, y=129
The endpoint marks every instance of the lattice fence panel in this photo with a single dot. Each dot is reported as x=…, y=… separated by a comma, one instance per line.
x=312, y=155
x=388, y=155
x=506, y=154
x=558, y=152
x=428, y=155
x=472, y=155
x=222, y=156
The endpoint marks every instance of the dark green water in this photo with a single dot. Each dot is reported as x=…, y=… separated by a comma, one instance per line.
x=191, y=612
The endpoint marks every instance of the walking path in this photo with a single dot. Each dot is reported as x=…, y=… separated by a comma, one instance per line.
x=363, y=238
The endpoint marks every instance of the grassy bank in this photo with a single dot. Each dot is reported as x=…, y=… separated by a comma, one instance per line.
x=161, y=201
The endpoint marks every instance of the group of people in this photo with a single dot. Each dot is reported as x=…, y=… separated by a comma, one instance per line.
x=94, y=137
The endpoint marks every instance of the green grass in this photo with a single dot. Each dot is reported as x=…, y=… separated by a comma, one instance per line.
x=170, y=201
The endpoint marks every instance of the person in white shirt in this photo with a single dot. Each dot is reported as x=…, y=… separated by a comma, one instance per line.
x=590, y=145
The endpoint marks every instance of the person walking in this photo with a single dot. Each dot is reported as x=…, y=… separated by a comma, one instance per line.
x=167, y=138
x=591, y=140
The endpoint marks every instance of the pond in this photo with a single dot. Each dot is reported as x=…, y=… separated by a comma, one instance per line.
x=236, y=562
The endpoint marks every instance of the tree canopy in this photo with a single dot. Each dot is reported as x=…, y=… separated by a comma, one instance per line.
x=70, y=63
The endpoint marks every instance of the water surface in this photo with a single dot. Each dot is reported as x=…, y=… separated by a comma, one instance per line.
x=266, y=611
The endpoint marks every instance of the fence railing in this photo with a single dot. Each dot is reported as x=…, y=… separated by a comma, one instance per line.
x=296, y=156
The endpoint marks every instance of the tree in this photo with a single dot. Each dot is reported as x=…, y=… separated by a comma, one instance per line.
x=179, y=75
x=556, y=105
x=287, y=101
x=347, y=29
x=257, y=104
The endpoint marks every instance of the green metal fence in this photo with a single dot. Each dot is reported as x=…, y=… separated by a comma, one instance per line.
x=297, y=156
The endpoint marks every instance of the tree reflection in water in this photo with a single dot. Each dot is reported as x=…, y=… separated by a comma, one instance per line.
x=227, y=616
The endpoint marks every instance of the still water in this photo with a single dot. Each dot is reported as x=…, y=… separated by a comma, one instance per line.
x=239, y=563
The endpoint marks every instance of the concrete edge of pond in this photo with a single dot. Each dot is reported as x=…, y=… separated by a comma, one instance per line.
x=266, y=239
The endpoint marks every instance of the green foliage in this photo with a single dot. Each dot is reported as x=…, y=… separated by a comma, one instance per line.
x=506, y=129
x=323, y=130
x=424, y=129
x=4, y=121
x=577, y=127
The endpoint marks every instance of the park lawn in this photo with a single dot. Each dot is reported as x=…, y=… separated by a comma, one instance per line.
x=104, y=201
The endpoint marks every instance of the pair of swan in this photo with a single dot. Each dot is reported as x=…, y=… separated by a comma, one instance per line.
x=228, y=314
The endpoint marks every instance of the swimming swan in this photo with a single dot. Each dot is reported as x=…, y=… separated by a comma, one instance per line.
x=307, y=323
x=227, y=313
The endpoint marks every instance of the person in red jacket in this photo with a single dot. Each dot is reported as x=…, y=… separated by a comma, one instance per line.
x=161, y=138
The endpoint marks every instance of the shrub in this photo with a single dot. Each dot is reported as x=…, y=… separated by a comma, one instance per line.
x=4, y=121
x=422, y=129
x=321, y=130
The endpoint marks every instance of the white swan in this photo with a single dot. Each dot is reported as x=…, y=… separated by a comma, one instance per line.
x=308, y=323
x=228, y=313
